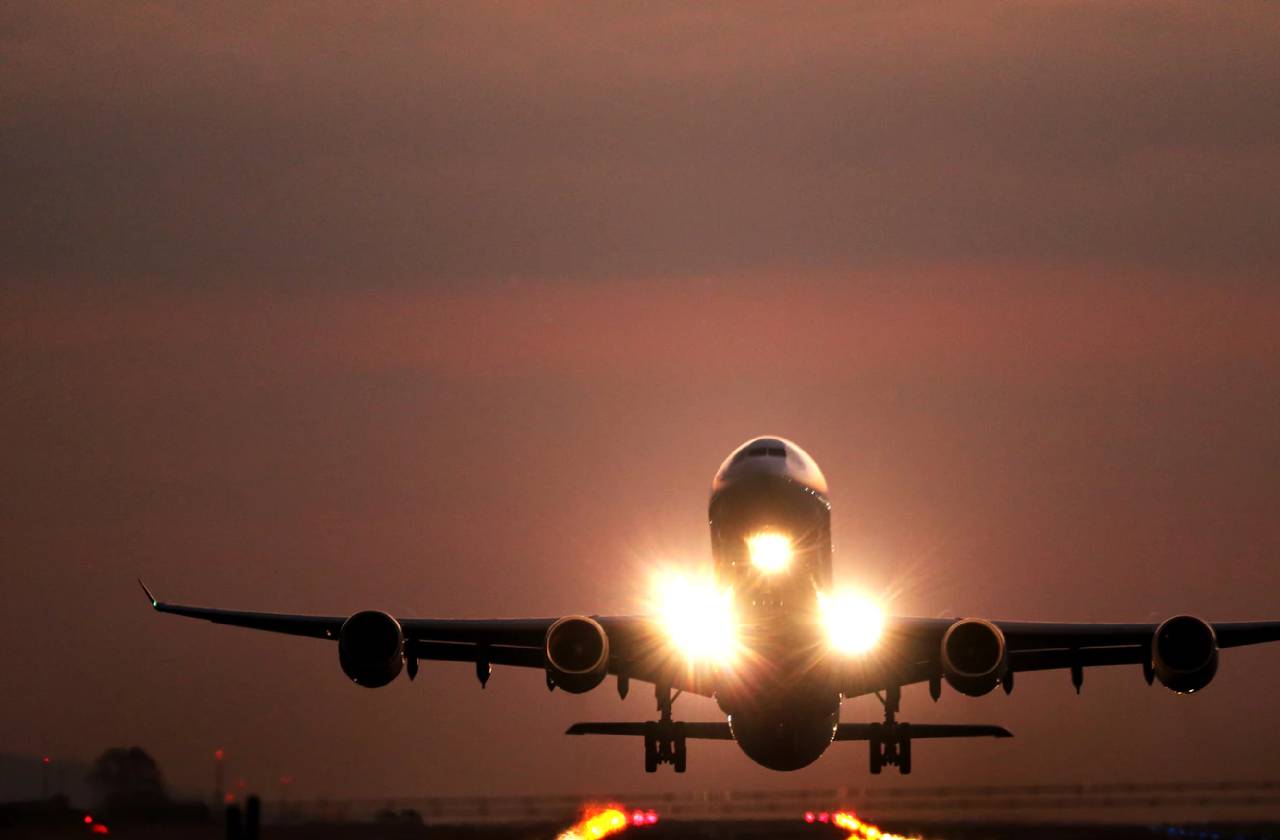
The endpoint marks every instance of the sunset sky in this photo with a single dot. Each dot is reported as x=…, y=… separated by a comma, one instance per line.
x=454, y=309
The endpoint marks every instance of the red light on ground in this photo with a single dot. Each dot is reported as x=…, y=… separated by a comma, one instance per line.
x=824, y=817
x=88, y=819
x=99, y=828
x=810, y=816
x=637, y=818
x=218, y=754
x=229, y=799
x=650, y=817
x=44, y=760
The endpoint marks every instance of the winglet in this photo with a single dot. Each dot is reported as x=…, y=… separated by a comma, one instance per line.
x=150, y=597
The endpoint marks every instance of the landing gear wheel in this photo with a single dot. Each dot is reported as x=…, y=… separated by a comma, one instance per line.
x=650, y=754
x=875, y=744
x=904, y=749
x=664, y=738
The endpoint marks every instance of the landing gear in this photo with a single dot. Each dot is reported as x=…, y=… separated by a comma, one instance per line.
x=890, y=742
x=664, y=738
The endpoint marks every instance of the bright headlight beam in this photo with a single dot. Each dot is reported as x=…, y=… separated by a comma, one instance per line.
x=770, y=551
x=698, y=618
x=853, y=622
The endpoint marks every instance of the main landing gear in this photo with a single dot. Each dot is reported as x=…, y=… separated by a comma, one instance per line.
x=664, y=738
x=890, y=742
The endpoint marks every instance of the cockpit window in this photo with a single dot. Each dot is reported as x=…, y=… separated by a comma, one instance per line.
x=767, y=451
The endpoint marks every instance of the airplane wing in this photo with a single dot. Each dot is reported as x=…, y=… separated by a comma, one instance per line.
x=911, y=647
x=635, y=646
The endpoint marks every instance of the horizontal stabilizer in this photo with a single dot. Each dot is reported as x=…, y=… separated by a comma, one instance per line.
x=862, y=731
x=697, y=731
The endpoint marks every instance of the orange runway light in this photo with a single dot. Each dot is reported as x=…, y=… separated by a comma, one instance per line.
x=598, y=822
x=858, y=829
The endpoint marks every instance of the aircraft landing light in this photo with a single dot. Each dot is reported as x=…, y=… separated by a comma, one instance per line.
x=770, y=551
x=698, y=618
x=853, y=622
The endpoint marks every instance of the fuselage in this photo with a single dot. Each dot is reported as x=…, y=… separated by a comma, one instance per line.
x=771, y=542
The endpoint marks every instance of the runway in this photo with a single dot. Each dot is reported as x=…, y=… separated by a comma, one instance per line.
x=596, y=822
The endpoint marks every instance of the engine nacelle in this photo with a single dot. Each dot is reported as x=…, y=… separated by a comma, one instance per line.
x=371, y=648
x=577, y=653
x=974, y=656
x=1184, y=654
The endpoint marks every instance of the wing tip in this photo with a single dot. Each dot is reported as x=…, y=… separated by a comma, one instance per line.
x=155, y=604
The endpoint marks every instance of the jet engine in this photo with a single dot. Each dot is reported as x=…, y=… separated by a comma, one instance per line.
x=1184, y=654
x=974, y=656
x=577, y=652
x=371, y=648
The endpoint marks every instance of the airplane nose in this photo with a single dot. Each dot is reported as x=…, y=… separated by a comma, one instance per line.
x=760, y=472
x=766, y=457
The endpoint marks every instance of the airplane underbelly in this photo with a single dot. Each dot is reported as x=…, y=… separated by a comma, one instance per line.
x=785, y=739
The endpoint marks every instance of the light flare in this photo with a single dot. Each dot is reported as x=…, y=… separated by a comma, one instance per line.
x=770, y=551
x=853, y=622
x=862, y=830
x=597, y=822
x=698, y=618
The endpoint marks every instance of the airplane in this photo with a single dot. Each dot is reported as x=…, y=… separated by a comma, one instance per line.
x=770, y=639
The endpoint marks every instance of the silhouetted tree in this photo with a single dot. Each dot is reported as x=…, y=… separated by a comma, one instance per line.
x=127, y=780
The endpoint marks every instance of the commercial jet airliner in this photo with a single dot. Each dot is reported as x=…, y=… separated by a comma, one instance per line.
x=771, y=639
